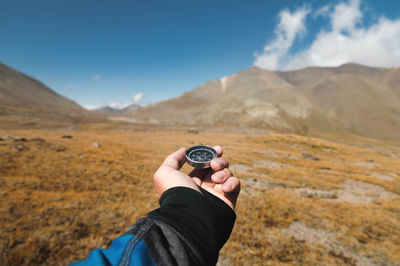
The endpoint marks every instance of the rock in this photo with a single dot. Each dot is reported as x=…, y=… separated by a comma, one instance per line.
x=38, y=140
x=191, y=131
x=60, y=149
x=20, y=139
x=7, y=137
x=67, y=137
x=310, y=156
x=96, y=144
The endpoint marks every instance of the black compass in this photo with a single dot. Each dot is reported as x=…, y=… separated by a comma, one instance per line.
x=200, y=156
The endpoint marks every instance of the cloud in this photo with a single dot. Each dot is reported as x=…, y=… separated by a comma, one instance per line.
x=117, y=105
x=345, y=16
x=90, y=107
x=290, y=26
x=345, y=40
x=96, y=77
x=138, y=98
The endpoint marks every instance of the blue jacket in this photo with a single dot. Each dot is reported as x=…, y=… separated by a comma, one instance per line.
x=189, y=228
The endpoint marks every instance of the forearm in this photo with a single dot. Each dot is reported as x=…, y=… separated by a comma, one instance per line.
x=202, y=219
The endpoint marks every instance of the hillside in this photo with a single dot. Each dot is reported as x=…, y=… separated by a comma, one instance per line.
x=26, y=102
x=350, y=99
x=20, y=90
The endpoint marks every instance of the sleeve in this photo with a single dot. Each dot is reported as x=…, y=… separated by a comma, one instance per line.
x=203, y=221
x=189, y=228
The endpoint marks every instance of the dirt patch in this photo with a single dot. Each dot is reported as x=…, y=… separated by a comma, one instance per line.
x=382, y=176
x=270, y=153
x=315, y=193
x=353, y=191
x=271, y=164
x=366, y=164
x=328, y=239
x=363, y=192
x=240, y=168
x=254, y=185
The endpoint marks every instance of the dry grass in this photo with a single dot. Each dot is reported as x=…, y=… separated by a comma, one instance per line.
x=62, y=197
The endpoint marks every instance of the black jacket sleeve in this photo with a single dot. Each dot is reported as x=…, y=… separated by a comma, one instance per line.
x=189, y=228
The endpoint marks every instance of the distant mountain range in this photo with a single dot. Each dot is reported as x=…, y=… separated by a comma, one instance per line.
x=350, y=99
x=118, y=111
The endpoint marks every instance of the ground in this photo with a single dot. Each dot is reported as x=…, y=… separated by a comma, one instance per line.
x=304, y=200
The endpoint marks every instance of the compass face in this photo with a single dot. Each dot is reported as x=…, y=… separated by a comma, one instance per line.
x=200, y=156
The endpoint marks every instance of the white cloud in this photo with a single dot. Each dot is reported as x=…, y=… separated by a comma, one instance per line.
x=90, y=107
x=323, y=11
x=345, y=16
x=96, y=77
x=290, y=26
x=345, y=41
x=138, y=98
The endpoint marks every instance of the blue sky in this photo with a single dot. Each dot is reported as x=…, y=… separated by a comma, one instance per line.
x=118, y=52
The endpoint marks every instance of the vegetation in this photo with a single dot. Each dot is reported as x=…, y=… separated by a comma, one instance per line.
x=303, y=201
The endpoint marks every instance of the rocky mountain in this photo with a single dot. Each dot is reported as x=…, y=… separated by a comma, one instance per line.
x=20, y=90
x=351, y=99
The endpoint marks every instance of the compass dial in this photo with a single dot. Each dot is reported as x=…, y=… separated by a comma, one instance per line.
x=200, y=156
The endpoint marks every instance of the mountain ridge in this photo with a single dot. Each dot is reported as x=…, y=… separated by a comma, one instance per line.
x=351, y=98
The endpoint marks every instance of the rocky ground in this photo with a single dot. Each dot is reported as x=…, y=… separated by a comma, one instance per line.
x=303, y=201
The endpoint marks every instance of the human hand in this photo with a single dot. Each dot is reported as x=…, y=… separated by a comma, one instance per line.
x=217, y=179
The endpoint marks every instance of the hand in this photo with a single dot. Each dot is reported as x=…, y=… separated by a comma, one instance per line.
x=217, y=179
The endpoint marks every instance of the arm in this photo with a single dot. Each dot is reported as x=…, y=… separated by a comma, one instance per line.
x=193, y=222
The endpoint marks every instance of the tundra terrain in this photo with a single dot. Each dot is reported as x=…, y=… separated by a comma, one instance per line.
x=304, y=200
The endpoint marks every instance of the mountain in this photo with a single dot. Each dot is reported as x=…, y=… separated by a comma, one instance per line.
x=351, y=98
x=116, y=111
x=20, y=90
x=26, y=102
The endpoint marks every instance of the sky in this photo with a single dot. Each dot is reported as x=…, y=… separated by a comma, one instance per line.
x=117, y=53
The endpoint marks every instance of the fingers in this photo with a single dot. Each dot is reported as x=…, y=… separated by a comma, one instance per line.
x=231, y=185
x=219, y=150
x=221, y=176
x=231, y=189
x=218, y=164
x=175, y=160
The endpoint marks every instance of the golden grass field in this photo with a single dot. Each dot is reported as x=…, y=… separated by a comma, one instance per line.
x=304, y=200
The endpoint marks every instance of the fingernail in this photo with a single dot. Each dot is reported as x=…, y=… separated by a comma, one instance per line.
x=219, y=176
x=220, y=162
x=228, y=186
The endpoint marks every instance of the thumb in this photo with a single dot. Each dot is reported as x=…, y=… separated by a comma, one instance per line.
x=168, y=175
x=175, y=160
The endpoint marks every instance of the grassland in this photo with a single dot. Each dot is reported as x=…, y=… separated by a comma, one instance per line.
x=303, y=201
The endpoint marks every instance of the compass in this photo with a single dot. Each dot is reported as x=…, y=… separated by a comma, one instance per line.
x=200, y=156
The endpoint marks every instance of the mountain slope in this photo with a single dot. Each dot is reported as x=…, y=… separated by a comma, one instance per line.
x=351, y=98
x=253, y=97
x=27, y=103
x=19, y=90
